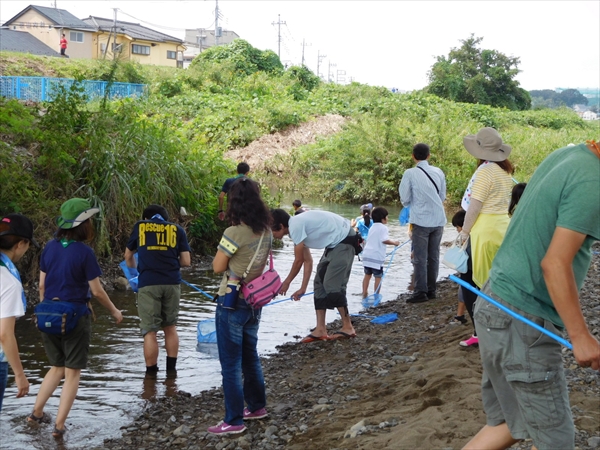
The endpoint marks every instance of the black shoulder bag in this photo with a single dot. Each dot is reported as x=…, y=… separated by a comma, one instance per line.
x=431, y=179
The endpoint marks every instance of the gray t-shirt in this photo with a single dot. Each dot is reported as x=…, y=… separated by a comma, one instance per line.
x=318, y=229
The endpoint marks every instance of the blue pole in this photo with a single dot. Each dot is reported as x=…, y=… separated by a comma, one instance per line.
x=286, y=299
x=511, y=312
x=198, y=289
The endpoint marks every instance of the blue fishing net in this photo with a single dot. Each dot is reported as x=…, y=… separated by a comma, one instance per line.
x=207, y=331
x=386, y=318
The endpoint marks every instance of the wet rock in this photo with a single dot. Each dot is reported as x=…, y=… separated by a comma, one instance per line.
x=594, y=442
x=182, y=430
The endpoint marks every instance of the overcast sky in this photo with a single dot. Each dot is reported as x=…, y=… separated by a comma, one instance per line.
x=385, y=43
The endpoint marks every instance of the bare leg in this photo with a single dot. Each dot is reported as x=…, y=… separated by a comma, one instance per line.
x=49, y=385
x=67, y=396
x=150, y=349
x=461, y=309
x=171, y=341
x=346, y=322
x=377, y=283
x=491, y=438
x=321, y=329
x=365, y=286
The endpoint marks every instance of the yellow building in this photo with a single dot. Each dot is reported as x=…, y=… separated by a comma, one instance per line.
x=129, y=41
x=48, y=25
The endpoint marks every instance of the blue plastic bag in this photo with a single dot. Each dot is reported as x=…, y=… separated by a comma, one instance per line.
x=457, y=257
x=133, y=280
x=404, y=216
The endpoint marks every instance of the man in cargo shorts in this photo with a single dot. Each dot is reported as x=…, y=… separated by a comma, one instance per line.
x=320, y=229
x=537, y=273
x=162, y=249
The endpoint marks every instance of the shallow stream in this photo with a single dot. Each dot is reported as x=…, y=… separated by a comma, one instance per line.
x=113, y=390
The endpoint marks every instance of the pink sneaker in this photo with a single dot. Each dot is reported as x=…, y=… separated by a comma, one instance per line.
x=258, y=414
x=473, y=340
x=224, y=429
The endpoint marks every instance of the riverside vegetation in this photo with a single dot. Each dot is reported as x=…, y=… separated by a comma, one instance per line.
x=169, y=146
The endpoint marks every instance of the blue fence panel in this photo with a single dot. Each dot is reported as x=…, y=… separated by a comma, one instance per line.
x=40, y=89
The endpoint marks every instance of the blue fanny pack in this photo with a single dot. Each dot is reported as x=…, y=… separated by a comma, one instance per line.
x=59, y=317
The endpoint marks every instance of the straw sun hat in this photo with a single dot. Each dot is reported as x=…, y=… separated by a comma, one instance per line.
x=487, y=145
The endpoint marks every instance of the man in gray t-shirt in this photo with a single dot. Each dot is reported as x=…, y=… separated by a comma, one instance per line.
x=326, y=230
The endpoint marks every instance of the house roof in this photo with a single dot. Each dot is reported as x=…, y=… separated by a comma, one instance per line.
x=133, y=30
x=23, y=42
x=57, y=17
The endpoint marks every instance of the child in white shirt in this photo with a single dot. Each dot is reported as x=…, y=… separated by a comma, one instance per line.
x=374, y=251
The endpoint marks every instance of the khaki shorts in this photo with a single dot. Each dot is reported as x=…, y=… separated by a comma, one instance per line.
x=72, y=350
x=523, y=380
x=331, y=279
x=158, y=306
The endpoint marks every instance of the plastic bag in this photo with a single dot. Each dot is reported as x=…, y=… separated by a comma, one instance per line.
x=404, y=216
x=456, y=257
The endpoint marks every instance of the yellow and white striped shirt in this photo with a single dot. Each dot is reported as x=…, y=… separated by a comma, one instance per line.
x=492, y=187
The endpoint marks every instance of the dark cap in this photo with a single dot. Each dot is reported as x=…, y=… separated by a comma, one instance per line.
x=19, y=225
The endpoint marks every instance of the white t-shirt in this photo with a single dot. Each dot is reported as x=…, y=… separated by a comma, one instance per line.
x=318, y=229
x=11, y=299
x=373, y=254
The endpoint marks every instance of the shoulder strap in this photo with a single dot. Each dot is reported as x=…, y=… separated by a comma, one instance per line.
x=425, y=172
x=254, y=257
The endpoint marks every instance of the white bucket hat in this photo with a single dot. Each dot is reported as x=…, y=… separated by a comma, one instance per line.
x=487, y=145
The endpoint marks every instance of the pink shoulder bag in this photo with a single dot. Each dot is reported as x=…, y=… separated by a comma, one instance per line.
x=263, y=288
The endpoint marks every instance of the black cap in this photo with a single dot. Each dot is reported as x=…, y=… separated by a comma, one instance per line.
x=19, y=225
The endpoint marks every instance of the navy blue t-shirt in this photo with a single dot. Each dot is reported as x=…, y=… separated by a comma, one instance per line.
x=68, y=270
x=158, y=244
x=229, y=182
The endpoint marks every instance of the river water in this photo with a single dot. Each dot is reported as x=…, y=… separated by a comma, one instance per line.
x=113, y=390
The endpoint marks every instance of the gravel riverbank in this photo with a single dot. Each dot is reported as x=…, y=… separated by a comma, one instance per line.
x=402, y=385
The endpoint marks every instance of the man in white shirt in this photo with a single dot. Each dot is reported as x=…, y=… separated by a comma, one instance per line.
x=320, y=229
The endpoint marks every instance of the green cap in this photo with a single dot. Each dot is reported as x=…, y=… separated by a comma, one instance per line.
x=74, y=212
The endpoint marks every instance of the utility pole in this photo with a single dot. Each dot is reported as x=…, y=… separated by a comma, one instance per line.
x=329, y=80
x=304, y=44
x=199, y=38
x=278, y=23
x=217, y=31
x=320, y=58
x=115, y=38
x=338, y=78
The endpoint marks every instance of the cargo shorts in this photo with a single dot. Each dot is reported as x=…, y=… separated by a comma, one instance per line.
x=71, y=350
x=158, y=306
x=523, y=381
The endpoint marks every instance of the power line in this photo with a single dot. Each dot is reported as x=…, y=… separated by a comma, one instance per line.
x=153, y=24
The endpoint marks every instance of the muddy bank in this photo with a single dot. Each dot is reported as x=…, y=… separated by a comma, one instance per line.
x=402, y=385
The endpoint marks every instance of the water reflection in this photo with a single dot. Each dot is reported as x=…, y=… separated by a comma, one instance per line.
x=114, y=390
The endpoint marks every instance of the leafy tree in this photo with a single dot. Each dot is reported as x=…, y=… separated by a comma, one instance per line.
x=246, y=58
x=572, y=97
x=470, y=74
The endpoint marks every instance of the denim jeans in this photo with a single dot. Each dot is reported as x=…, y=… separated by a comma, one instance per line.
x=237, y=336
x=3, y=380
x=426, y=248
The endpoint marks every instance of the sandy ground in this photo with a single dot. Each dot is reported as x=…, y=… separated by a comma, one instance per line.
x=402, y=385
x=261, y=154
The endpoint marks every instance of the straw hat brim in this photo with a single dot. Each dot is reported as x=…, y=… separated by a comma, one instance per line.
x=501, y=154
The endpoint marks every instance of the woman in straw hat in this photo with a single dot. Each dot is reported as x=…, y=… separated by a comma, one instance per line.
x=69, y=271
x=486, y=201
